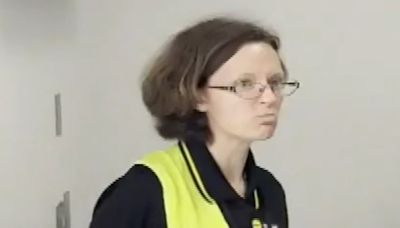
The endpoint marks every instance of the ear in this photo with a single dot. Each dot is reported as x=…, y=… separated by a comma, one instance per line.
x=201, y=105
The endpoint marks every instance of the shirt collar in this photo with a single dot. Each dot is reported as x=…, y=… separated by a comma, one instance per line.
x=212, y=177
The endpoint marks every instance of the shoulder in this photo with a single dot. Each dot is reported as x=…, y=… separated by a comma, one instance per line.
x=273, y=192
x=269, y=182
x=267, y=175
x=138, y=181
x=133, y=200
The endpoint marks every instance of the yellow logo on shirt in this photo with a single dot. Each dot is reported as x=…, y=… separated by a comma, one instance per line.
x=256, y=223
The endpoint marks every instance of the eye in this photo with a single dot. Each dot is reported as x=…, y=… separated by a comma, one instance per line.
x=245, y=83
x=276, y=83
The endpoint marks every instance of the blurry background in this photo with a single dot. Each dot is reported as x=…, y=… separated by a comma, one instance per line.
x=337, y=149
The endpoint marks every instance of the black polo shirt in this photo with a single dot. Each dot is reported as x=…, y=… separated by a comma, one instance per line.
x=135, y=200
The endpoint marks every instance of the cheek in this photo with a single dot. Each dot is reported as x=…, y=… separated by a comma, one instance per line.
x=231, y=113
x=279, y=104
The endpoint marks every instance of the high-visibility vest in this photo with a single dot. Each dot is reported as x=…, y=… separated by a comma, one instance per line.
x=185, y=206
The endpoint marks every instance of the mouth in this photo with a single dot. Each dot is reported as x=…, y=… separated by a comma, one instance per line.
x=267, y=115
x=270, y=122
x=268, y=119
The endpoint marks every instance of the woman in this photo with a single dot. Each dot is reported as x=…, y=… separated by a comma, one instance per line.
x=216, y=88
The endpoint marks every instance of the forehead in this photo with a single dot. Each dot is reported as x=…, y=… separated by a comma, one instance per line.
x=258, y=59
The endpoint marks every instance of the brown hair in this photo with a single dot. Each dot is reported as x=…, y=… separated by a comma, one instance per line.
x=171, y=84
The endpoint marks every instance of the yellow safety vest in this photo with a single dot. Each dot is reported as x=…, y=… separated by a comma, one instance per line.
x=184, y=205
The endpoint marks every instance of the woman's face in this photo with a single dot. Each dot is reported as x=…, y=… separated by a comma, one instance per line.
x=243, y=118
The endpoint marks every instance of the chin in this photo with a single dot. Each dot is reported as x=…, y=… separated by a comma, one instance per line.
x=259, y=138
x=265, y=133
x=265, y=137
x=258, y=133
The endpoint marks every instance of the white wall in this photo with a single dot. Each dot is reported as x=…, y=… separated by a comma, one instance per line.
x=336, y=150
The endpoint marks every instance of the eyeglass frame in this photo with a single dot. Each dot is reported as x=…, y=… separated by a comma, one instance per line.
x=233, y=89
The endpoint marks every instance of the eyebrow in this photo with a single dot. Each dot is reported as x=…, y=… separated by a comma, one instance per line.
x=272, y=76
x=278, y=75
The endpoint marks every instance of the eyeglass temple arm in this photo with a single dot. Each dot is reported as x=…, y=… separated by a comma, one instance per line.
x=294, y=83
x=228, y=88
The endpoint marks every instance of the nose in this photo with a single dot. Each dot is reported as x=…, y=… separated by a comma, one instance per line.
x=268, y=96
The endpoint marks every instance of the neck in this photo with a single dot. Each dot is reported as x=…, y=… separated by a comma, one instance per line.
x=231, y=156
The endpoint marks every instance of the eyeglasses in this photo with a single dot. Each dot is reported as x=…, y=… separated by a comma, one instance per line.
x=248, y=89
